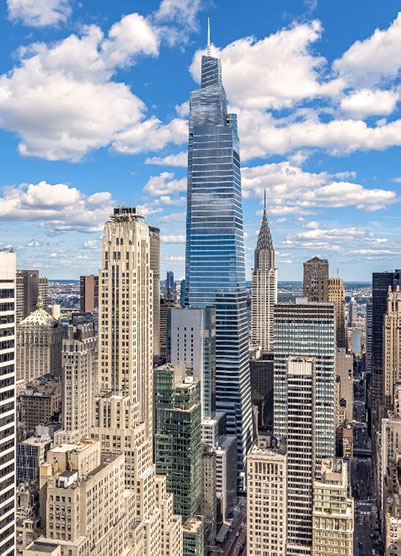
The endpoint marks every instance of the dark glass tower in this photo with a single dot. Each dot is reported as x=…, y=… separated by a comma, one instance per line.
x=215, y=268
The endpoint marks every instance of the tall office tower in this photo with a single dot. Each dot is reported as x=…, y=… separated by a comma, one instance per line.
x=353, y=312
x=26, y=293
x=333, y=511
x=380, y=284
x=262, y=369
x=192, y=341
x=336, y=294
x=178, y=416
x=43, y=290
x=87, y=509
x=7, y=401
x=307, y=330
x=215, y=268
x=368, y=335
x=316, y=279
x=165, y=305
x=266, y=479
x=301, y=452
x=264, y=289
x=170, y=284
x=39, y=339
x=344, y=396
x=392, y=347
x=208, y=507
x=79, y=378
x=89, y=293
x=154, y=234
x=124, y=408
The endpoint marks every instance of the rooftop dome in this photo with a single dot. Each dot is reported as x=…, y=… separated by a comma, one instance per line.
x=39, y=317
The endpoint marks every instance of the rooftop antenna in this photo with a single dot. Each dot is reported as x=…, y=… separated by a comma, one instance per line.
x=264, y=201
x=208, y=51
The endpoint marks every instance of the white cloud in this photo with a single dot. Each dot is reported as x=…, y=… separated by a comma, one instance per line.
x=370, y=61
x=172, y=238
x=165, y=184
x=62, y=102
x=182, y=11
x=174, y=258
x=174, y=217
x=273, y=72
x=91, y=244
x=179, y=159
x=39, y=13
x=33, y=243
x=291, y=190
x=59, y=207
x=367, y=102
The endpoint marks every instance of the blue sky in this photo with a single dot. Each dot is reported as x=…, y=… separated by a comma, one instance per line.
x=93, y=113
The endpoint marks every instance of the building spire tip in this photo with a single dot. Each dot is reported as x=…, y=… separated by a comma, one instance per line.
x=208, y=50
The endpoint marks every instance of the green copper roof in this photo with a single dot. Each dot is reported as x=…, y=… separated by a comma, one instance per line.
x=40, y=317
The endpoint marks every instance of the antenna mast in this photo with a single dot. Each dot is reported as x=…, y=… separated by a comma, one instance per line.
x=208, y=51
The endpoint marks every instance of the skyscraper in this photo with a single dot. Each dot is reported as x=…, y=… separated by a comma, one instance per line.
x=89, y=293
x=7, y=401
x=215, y=268
x=155, y=268
x=307, y=330
x=192, y=341
x=124, y=408
x=380, y=284
x=170, y=284
x=392, y=346
x=316, y=279
x=336, y=294
x=264, y=289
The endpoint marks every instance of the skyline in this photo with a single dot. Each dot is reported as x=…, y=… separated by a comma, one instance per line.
x=104, y=150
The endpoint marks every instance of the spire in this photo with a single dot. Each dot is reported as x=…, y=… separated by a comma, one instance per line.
x=264, y=252
x=208, y=50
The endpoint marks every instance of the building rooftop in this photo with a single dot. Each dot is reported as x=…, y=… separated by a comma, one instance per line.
x=40, y=317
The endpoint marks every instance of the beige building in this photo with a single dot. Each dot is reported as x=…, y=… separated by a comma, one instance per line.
x=333, y=511
x=39, y=401
x=155, y=268
x=79, y=378
x=123, y=419
x=392, y=346
x=39, y=338
x=336, y=294
x=266, y=479
x=87, y=509
x=344, y=390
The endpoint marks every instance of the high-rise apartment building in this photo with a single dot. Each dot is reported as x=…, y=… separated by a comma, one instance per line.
x=333, y=511
x=391, y=346
x=177, y=436
x=154, y=234
x=124, y=407
x=165, y=305
x=170, y=284
x=39, y=339
x=266, y=480
x=264, y=289
x=89, y=293
x=301, y=452
x=381, y=281
x=336, y=294
x=215, y=268
x=316, y=279
x=344, y=388
x=192, y=341
x=262, y=371
x=79, y=378
x=369, y=337
x=7, y=401
x=307, y=330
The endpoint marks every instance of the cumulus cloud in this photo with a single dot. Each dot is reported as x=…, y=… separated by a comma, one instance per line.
x=179, y=159
x=291, y=190
x=59, y=206
x=165, y=184
x=182, y=11
x=39, y=13
x=173, y=238
x=61, y=99
x=373, y=60
x=367, y=102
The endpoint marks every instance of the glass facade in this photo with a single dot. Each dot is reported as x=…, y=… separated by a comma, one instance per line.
x=215, y=268
x=307, y=330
